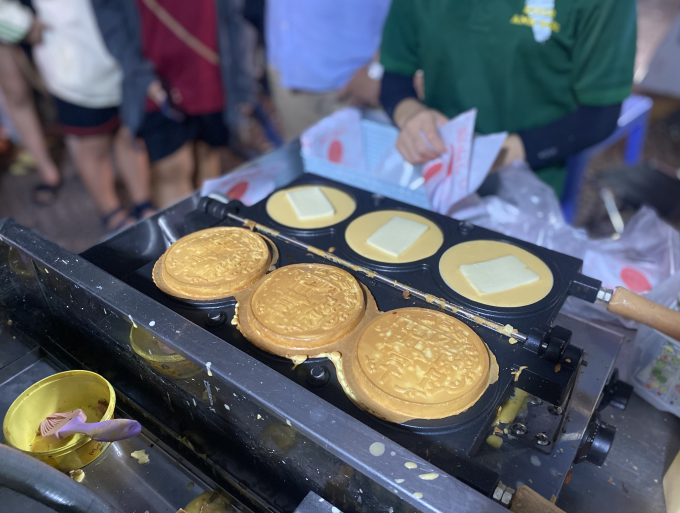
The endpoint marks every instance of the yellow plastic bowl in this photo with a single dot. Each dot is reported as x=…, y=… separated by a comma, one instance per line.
x=66, y=391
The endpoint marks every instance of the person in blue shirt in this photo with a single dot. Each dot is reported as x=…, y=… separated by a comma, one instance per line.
x=322, y=55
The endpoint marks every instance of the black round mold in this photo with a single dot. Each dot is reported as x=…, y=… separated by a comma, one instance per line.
x=212, y=304
x=544, y=304
x=482, y=408
x=261, y=209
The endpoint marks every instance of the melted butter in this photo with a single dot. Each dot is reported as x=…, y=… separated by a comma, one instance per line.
x=513, y=407
x=377, y=449
x=431, y=476
x=336, y=358
x=410, y=465
x=494, y=441
x=234, y=320
x=298, y=359
x=518, y=372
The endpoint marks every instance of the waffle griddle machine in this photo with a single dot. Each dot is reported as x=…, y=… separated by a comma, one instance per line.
x=270, y=432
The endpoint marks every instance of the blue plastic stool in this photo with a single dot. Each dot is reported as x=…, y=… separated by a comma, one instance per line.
x=632, y=125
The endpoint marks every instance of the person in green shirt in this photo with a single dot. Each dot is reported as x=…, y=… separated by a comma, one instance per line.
x=552, y=73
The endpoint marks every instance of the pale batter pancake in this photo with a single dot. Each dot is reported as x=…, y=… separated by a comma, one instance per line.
x=418, y=363
x=300, y=308
x=212, y=263
x=281, y=210
x=484, y=250
x=363, y=227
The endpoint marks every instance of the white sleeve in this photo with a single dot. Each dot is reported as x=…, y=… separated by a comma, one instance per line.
x=15, y=21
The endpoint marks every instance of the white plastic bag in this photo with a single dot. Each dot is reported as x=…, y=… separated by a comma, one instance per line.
x=249, y=185
x=352, y=150
x=337, y=138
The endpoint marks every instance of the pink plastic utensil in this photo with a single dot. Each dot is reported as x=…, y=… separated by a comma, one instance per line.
x=57, y=420
x=68, y=423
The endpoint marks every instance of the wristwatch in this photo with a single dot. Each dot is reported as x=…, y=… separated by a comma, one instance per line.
x=376, y=71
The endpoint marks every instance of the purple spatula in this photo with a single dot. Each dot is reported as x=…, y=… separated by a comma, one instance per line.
x=68, y=423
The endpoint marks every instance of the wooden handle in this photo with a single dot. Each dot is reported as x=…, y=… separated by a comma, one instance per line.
x=528, y=501
x=628, y=304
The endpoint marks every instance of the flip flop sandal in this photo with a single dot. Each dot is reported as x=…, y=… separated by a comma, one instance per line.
x=108, y=217
x=137, y=211
x=44, y=194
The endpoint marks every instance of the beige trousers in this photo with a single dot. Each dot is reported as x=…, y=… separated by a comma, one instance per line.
x=298, y=110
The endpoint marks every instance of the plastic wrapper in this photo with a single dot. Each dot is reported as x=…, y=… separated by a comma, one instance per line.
x=652, y=363
x=351, y=149
x=337, y=138
x=248, y=185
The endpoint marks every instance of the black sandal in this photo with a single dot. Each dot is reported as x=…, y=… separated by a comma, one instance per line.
x=108, y=217
x=137, y=210
x=44, y=194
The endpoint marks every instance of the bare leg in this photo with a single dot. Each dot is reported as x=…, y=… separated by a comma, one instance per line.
x=133, y=167
x=22, y=111
x=92, y=155
x=207, y=162
x=172, y=176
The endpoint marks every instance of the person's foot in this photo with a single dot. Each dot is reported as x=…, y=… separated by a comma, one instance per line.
x=44, y=194
x=142, y=210
x=116, y=220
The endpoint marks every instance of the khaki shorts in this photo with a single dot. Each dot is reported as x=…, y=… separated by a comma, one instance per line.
x=298, y=110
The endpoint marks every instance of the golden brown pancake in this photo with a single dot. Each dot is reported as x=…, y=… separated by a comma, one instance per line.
x=417, y=363
x=280, y=209
x=299, y=309
x=212, y=263
x=476, y=251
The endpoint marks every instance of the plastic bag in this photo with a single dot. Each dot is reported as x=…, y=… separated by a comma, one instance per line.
x=356, y=151
x=249, y=185
x=647, y=253
x=337, y=138
x=654, y=359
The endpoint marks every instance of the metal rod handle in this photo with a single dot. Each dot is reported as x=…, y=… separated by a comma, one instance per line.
x=456, y=310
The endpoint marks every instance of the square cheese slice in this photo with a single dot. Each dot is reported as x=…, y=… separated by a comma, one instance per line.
x=498, y=275
x=396, y=235
x=310, y=203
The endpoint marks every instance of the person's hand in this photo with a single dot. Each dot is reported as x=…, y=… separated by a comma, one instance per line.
x=419, y=139
x=511, y=151
x=157, y=93
x=361, y=90
x=34, y=35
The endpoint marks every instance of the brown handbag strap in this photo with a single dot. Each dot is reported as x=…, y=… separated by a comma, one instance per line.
x=183, y=34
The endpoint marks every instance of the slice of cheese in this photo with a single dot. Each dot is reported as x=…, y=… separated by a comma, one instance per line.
x=396, y=235
x=310, y=203
x=498, y=275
